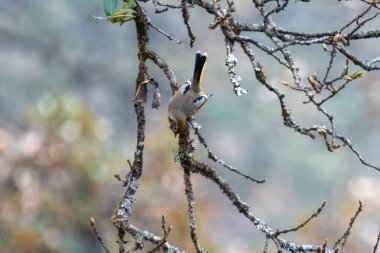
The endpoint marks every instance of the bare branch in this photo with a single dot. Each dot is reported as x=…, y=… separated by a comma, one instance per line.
x=125, y=206
x=235, y=79
x=190, y=204
x=356, y=61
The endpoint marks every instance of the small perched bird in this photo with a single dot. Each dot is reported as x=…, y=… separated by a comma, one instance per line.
x=189, y=98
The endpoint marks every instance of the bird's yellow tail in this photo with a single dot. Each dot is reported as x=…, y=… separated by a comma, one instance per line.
x=199, y=68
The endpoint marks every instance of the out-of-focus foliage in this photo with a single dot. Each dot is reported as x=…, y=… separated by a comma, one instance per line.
x=67, y=126
x=52, y=177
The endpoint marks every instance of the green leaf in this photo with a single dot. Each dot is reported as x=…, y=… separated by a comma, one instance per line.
x=357, y=74
x=120, y=18
x=110, y=7
x=130, y=5
x=125, y=12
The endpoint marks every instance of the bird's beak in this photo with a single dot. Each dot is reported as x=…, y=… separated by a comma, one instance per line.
x=175, y=135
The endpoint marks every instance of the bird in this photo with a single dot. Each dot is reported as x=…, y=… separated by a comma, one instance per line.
x=189, y=98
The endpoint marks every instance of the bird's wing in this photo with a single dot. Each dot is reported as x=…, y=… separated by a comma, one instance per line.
x=199, y=102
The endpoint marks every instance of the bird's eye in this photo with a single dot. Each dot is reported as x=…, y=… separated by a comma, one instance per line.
x=173, y=125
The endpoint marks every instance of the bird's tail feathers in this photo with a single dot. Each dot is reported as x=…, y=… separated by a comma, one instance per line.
x=199, y=68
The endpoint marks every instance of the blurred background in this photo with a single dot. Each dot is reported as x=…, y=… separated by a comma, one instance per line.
x=67, y=126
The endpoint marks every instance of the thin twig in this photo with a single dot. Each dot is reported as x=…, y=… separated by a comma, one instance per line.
x=358, y=155
x=135, y=232
x=355, y=19
x=343, y=239
x=163, y=32
x=97, y=234
x=361, y=24
x=186, y=19
x=166, y=235
x=160, y=62
x=314, y=215
x=172, y=6
x=213, y=157
x=377, y=242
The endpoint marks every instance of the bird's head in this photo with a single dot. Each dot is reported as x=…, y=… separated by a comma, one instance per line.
x=177, y=125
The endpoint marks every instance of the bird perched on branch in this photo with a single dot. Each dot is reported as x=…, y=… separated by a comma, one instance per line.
x=189, y=98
